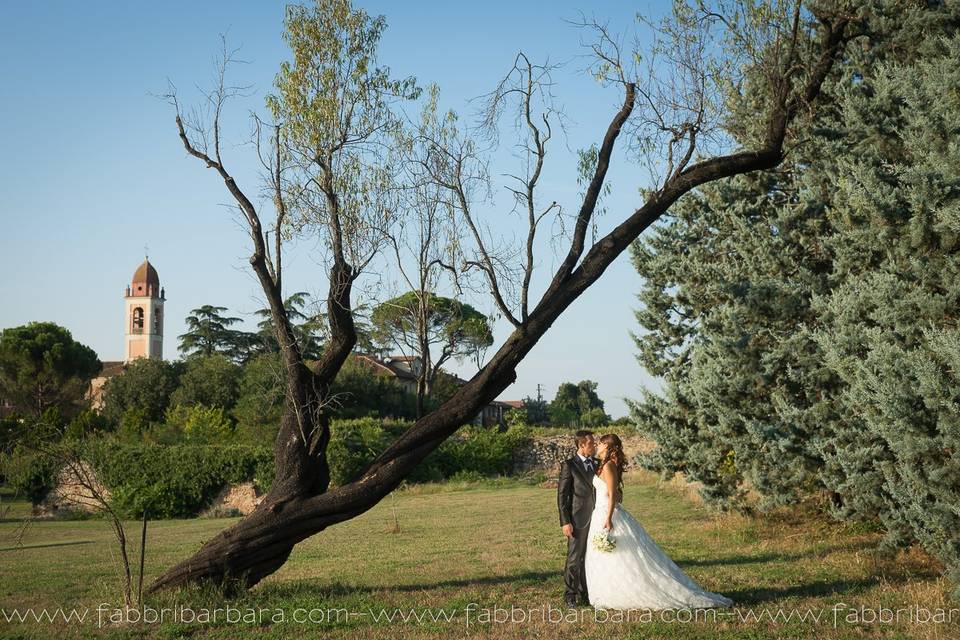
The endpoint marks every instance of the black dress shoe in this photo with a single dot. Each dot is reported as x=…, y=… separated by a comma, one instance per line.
x=584, y=602
x=570, y=602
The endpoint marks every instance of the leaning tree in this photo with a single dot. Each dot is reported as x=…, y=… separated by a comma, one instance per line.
x=325, y=155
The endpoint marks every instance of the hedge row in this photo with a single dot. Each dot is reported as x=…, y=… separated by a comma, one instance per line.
x=169, y=481
x=174, y=481
x=474, y=450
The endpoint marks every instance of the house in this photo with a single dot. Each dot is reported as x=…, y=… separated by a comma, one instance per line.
x=406, y=369
x=494, y=413
x=109, y=369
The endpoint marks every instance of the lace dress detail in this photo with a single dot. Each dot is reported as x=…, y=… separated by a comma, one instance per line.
x=637, y=574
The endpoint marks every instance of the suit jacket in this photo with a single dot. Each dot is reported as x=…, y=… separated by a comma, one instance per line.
x=575, y=493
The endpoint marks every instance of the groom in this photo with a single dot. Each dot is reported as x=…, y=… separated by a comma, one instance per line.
x=575, y=501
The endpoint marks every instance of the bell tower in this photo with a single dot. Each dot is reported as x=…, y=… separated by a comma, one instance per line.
x=144, y=310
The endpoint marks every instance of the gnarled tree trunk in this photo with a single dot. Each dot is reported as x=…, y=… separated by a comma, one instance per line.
x=299, y=504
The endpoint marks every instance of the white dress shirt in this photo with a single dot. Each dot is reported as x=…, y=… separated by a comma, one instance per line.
x=584, y=460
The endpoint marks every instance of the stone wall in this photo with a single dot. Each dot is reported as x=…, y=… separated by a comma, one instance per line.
x=77, y=488
x=547, y=452
x=234, y=500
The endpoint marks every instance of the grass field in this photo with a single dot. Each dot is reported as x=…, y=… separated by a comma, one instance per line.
x=490, y=559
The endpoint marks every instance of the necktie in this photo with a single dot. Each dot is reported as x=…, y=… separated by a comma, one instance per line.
x=588, y=465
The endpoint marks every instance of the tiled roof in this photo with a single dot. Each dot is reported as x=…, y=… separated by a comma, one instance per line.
x=111, y=368
x=389, y=367
x=146, y=274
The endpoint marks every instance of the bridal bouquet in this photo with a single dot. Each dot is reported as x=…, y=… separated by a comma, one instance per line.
x=603, y=541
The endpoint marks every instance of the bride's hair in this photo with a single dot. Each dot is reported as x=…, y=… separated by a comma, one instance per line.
x=614, y=453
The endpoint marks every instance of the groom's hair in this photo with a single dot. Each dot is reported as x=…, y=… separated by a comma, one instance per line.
x=581, y=436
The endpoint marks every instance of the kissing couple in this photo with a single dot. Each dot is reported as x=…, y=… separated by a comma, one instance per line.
x=612, y=562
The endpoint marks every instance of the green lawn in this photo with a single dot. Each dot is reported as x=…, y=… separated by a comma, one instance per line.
x=495, y=553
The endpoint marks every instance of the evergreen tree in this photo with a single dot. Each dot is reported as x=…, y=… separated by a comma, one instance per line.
x=536, y=411
x=42, y=367
x=803, y=318
x=433, y=329
x=310, y=331
x=208, y=332
x=889, y=326
x=724, y=330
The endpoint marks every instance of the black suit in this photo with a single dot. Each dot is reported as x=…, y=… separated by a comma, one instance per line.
x=575, y=500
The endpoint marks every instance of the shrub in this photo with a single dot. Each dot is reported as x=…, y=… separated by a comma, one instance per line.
x=172, y=481
x=484, y=451
x=87, y=423
x=179, y=480
x=472, y=450
x=353, y=444
x=29, y=474
x=200, y=424
x=169, y=481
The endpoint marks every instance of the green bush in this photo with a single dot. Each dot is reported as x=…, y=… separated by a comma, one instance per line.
x=487, y=452
x=29, y=474
x=179, y=480
x=473, y=450
x=199, y=423
x=172, y=481
x=353, y=444
x=169, y=481
x=86, y=423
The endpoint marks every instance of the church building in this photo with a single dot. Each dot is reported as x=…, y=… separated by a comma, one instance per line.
x=144, y=315
x=143, y=322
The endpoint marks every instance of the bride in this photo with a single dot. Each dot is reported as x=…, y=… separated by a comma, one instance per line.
x=636, y=574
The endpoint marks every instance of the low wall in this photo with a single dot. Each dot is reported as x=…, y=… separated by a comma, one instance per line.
x=547, y=452
x=77, y=489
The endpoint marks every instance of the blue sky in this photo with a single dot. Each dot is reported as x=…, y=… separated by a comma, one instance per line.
x=92, y=169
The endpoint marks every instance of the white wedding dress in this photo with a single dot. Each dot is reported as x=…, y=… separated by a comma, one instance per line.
x=637, y=574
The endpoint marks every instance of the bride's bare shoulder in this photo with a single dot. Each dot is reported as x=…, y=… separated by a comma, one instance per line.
x=608, y=468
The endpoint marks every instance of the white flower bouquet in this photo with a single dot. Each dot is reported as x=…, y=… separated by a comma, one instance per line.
x=603, y=541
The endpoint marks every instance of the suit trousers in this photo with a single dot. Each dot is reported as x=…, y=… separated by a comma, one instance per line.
x=574, y=577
